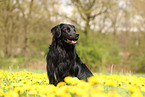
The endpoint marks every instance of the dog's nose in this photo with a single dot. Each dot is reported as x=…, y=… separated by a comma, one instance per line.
x=77, y=34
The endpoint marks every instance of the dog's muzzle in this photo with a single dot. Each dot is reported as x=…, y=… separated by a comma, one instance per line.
x=71, y=41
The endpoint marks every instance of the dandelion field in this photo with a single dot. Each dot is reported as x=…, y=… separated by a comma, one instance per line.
x=30, y=84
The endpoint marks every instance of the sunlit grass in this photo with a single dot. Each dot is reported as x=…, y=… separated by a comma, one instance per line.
x=31, y=84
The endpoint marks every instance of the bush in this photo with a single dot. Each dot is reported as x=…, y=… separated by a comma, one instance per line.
x=98, y=51
x=139, y=63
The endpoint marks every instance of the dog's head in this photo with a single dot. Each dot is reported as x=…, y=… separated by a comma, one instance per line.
x=65, y=32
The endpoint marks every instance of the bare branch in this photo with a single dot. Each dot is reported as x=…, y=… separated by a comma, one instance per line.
x=99, y=13
x=72, y=20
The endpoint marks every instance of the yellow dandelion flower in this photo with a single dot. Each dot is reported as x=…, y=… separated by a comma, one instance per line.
x=113, y=94
x=143, y=89
x=67, y=95
x=11, y=94
x=84, y=85
x=136, y=94
x=99, y=94
x=132, y=88
x=1, y=92
x=71, y=80
x=32, y=92
x=61, y=84
x=61, y=91
x=19, y=90
x=99, y=88
x=75, y=90
x=93, y=79
x=111, y=83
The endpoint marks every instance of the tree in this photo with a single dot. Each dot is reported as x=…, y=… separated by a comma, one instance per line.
x=9, y=28
x=89, y=10
x=27, y=19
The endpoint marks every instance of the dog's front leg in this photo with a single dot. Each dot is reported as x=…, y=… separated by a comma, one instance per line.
x=83, y=71
x=51, y=73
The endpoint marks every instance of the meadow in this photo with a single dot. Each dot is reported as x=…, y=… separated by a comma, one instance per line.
x=32, y=84
x=112, y=39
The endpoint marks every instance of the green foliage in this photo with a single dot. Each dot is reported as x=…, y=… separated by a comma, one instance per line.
x=139, y=63
x=98, y=51
x=11, y=62
x=136, y=59
x=21, y=62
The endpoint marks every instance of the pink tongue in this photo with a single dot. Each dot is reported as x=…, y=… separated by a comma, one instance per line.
x=71, y=41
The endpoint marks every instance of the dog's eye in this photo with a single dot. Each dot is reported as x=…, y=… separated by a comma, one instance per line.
x=67, y=30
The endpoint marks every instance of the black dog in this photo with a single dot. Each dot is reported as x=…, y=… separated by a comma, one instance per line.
x=62, y=59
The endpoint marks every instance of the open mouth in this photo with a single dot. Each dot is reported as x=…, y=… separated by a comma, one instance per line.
x=71, y=41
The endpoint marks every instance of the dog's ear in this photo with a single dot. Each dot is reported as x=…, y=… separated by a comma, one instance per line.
x=56, y=31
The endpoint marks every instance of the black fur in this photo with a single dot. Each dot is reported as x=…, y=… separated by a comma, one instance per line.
x=62, y=59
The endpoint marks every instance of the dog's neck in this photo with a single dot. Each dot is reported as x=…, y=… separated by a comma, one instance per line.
x=64, y=46
x=64, y=52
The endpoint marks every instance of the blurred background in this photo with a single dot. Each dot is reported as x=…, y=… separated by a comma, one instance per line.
x=112, y=33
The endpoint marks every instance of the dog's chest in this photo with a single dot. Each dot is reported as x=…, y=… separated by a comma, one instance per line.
x=66, y=58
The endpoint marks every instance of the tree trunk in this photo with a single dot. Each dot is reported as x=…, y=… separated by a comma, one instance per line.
x=26, y=40
x=87, y=26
